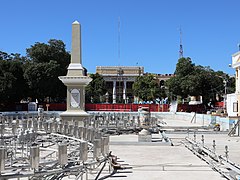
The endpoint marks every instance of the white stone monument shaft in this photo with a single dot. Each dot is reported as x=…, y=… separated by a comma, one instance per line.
x=75, y=67
x=76, y=43
x=75, y=80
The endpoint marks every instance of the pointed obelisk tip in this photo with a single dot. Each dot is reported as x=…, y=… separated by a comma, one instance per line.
x=75, y=22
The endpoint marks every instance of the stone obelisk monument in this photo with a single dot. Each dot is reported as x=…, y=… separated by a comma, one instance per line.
x=75, y=80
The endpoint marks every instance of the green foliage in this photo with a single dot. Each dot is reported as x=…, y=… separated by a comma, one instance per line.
x=48, y=61
x=173, y=86
x=11, y=57
x=12, y=83
x=4, y=56
x=36, y=75
x=191, y=80
x=44, y=53
x=184, y=67
x=146, y=88
x=95, y=89
x=43, y=81
x=230, y=84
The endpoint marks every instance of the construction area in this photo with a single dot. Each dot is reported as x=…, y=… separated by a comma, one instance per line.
x=118, y=146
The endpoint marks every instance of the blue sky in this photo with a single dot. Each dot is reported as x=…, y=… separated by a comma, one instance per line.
x=149, y=30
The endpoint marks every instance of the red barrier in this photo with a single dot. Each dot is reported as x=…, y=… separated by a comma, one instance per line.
x=126, y=107
x=219, y=104
x=55, y=106
x=199, y=108
x=108, y=107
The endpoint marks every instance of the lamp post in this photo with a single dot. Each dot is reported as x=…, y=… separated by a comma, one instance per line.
x=224, y=80
x=225, y=93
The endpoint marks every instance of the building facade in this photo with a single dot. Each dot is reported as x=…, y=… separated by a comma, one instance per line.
x=233, y=103
x=161, y=78
x=119, y=81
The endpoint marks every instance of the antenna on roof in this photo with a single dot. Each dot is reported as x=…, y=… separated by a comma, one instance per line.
x=181, y=46
x=119, y=39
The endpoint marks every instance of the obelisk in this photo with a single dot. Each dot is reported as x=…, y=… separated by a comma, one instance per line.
x=75, y=67
x=75, y=80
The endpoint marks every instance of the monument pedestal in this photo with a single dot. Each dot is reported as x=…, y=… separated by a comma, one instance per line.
x=76, y=81
x=75, y=98
x=72, y=116
x=144, y=136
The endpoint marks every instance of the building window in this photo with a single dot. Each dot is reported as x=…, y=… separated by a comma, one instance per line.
x=162, y=83
x=235, y=107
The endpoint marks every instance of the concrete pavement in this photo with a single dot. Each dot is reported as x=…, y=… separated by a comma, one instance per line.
x=150, y=161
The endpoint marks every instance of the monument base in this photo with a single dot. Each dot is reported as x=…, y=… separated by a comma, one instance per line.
x=144, y=136
x=72, y=116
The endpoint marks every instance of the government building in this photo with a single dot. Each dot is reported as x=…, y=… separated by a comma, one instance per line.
x=119, y=81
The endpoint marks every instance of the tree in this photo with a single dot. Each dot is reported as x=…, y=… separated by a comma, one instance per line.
x=191, y=80
x=43, y=81
x=230, y=84
x=4, y=56
x=12, y=84
x=95, y=89
x=146, y=88
x=184, y=67
x=47, y=63
x=181, y=84
x=55, y=50
x=173, y=87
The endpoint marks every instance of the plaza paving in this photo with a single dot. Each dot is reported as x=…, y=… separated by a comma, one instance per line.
x=159, y=160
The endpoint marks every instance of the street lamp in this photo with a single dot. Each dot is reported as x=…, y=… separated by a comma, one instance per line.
x=225, y=86
x=225, y=92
